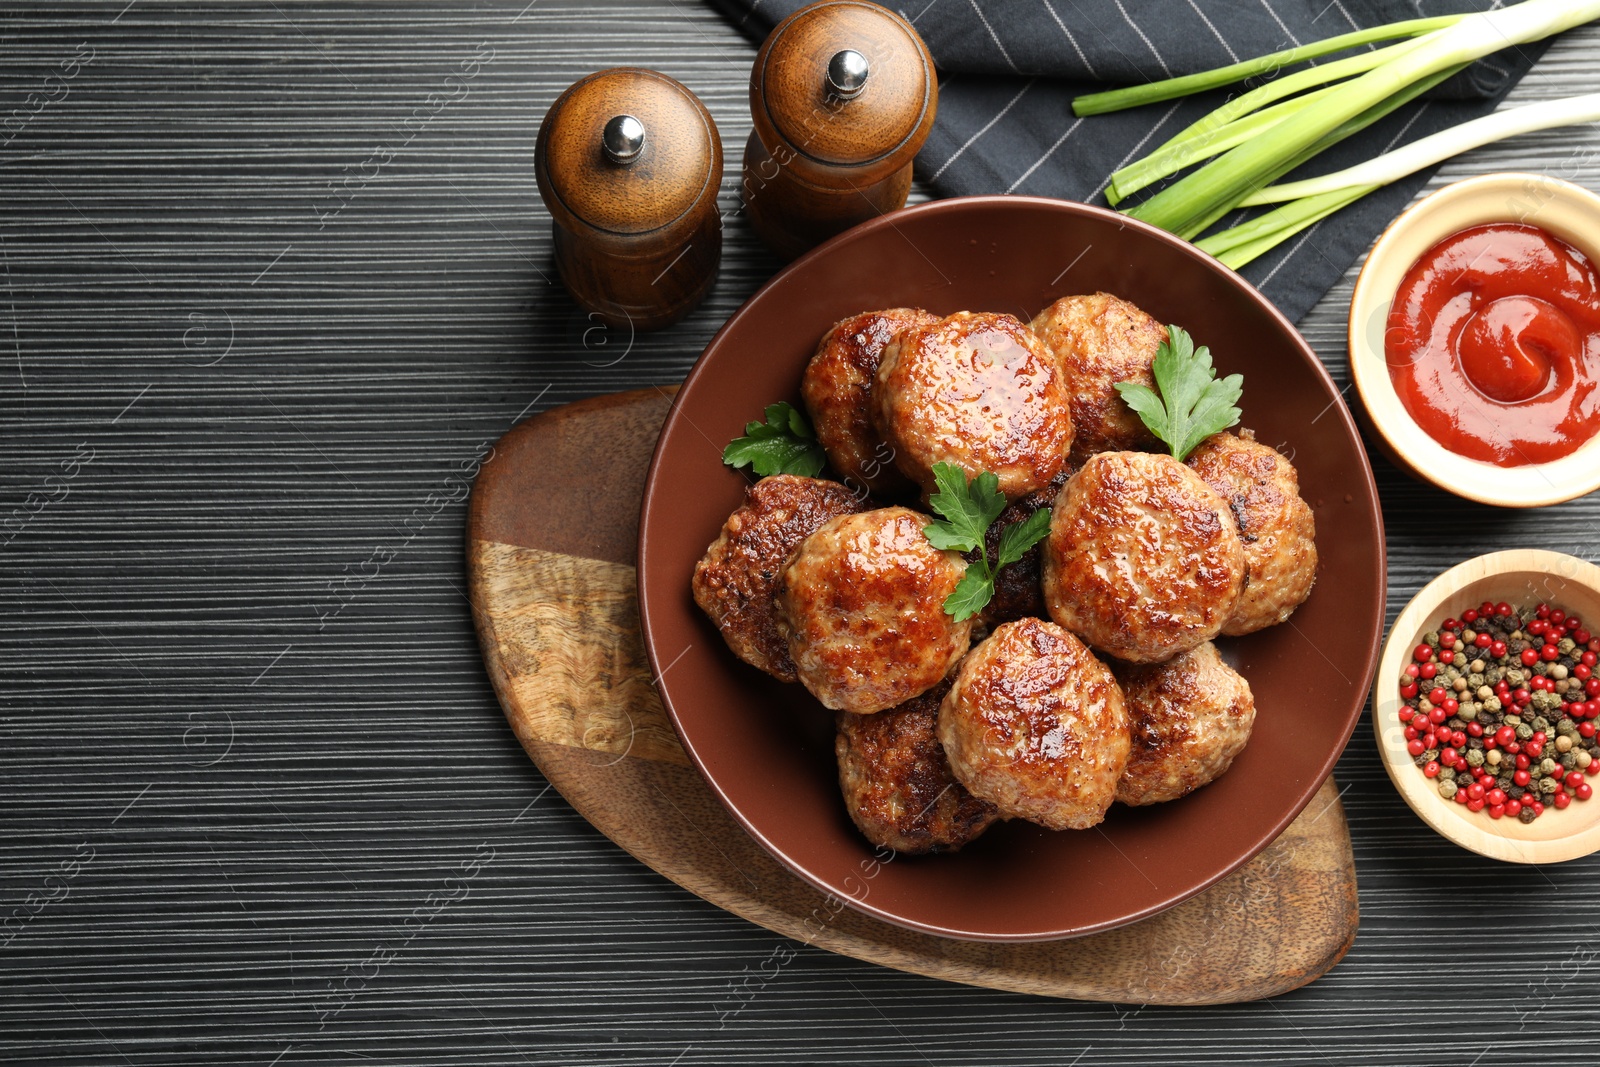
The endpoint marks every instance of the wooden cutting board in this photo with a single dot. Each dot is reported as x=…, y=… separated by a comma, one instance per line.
x=551, y=534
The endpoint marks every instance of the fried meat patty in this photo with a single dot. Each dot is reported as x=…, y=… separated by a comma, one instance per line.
x=861, y=604
x=1035, y=725
x=897, y=783
x=1189, y=718
x=977, y=390
x=837, y=390
x=1143, y=560
x=1262, y=490
x=735, y=581
x=1101, y=340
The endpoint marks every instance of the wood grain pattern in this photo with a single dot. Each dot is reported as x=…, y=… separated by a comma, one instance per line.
x=206, y=588
x=815, y=165
x=636, y=244
x=561, y=643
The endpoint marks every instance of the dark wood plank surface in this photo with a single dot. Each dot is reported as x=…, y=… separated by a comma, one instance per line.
x=274, y=276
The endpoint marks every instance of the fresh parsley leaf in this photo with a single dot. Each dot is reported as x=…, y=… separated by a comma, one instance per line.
x=969, y=508
x=1016, y=539
x=970, y=595
x=783, y=444
x=1192, y=403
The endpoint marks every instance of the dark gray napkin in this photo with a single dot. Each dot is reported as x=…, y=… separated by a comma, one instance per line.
x=1010, y=68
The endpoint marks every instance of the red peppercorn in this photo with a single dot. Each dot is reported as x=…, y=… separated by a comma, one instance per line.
x=1475, y=790
x=1461, y=796
x=1483, y=640
x=1495, y=796
x=1534, y=750
x=1592, y=687
x=1543, y=610
x=1415, y=746
x=1573, y=778
x=1450, y=706
x=1470, y=615
x=1497, y=649
x=1436, y=695
x=1586, y=729
x=1428, y=671
x=1437, y=716
x=1550, y=653
x=1502, y=608
x=1514, y=748
x=1584, y=791
x=1422, y=653
x=1476, y=805
x=1474, y=729
x=1448, y=757
x=1582, y=671
x=1560, y=800
x=1582, y=637
x=1411, y=733
x=1521, y=778
x=1505, y=735
x=1557, y=616
x=1529, y=656
x=1431, y=768
x=1447, y=656
x=1497, y=811
x=1406, y=713
x=1589, y=659
x=1522, y=764
x=1411, y=670
x=1408, y=690
x=1513, y=808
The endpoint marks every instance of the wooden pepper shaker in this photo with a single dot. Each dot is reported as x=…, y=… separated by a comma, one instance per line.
x=843, y=94
x=628, y=163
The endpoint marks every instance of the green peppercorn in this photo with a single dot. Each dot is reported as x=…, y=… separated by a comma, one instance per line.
x=1524, y=732
x=1548, y=766
x=1447, y=790
x=1475, y=757
x=1548, y=785
x=1491, y=703
x=1447, y=774
x=1541, y=723
x=1566, y=645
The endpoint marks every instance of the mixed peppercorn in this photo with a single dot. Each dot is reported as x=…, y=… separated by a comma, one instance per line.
x=1501, y=708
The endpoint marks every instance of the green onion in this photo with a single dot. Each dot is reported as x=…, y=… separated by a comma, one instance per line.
x=1190, y=205
x=1172, y=88
x=1392, y=166
x=1306, y=202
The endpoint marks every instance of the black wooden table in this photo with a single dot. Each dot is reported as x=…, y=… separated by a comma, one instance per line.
x=274, y=277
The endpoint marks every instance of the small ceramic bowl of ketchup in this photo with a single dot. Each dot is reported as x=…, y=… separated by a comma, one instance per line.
x=1475, y=340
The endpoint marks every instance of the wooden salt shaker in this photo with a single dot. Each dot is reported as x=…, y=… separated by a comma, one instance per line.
x=843, y=94
x=628, y=163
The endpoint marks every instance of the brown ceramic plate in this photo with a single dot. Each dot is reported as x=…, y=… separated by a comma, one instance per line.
x=767, y=748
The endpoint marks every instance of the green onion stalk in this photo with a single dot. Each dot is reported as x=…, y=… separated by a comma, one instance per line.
x=1252, y=145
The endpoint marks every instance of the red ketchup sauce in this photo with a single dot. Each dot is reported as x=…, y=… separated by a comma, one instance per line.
x=1493, y=345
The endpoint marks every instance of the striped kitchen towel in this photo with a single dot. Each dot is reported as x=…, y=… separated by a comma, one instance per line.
x=1010, y=68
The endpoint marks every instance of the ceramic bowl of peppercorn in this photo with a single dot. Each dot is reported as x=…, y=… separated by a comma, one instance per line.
x=1487, y=705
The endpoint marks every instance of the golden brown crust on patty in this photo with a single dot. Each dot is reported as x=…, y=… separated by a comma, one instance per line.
x=1035, y=725
x=979, y=391
x=861, y=603
x=837, y=390
x=1143, y=560
x=1102, y=340
x=735, y=581
x=1262, y=490
x=897, y=783
x=1189, y=717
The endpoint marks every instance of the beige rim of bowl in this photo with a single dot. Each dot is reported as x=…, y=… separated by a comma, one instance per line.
x=1522, y=577
x=1565, y=210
